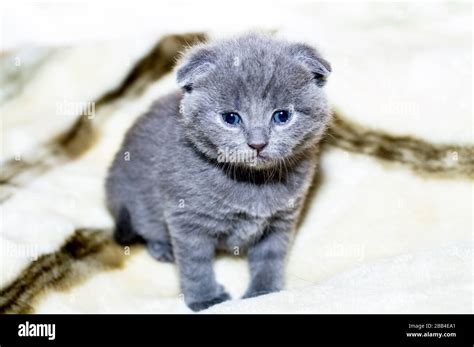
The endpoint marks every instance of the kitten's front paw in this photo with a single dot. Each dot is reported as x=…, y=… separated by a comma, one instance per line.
x=161, y=251
x=202, y=305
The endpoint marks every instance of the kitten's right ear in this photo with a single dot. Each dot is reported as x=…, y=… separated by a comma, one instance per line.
x=196, y=63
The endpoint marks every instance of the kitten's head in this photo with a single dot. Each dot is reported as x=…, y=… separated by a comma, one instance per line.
x=254, y=100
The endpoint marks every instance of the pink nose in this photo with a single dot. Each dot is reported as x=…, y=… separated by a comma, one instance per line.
x=257, y=146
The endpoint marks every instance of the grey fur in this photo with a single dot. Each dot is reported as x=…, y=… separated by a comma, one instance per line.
x=177, y=194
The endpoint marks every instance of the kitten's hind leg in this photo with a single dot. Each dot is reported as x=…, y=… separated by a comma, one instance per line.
x=161, y=250
x=157, y=239
x=152, y=232
x=124, y=233
x=148, y=222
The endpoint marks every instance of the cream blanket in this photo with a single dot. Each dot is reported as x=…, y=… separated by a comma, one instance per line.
x=378, y=236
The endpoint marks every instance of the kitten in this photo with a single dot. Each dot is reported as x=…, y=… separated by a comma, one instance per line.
x=225, y=163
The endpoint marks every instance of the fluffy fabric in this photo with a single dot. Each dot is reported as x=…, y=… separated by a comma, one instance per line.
x=377, y=235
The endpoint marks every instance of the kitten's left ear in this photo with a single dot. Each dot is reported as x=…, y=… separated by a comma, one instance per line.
x=311, y=58
x=196, y=63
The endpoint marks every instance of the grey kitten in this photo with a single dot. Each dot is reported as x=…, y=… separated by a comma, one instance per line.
x=225, y=163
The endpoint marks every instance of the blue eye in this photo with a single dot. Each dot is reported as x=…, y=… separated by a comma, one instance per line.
x=231, y=118
x=280, y=117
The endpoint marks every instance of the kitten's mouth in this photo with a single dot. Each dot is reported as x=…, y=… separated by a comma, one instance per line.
x=262, y=162
x=251, y=159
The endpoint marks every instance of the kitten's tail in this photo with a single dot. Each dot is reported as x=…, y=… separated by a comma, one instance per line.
x=124, y=233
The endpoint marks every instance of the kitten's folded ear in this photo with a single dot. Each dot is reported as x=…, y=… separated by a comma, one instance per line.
x=311, y=58
x=196, y=63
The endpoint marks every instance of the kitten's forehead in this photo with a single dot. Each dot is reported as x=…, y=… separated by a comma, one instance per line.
x=255, y=63
x=254, y=55
x=260, y=68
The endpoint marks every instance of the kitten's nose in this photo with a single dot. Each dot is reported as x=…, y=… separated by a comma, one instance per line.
x=257, y=146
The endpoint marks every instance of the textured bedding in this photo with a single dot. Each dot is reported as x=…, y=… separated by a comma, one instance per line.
x=388, y=224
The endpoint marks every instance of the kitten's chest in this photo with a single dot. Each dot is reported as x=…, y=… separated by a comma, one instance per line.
x=240, y=230
x=245, y=212
x=237, y=212
x=247, y=201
